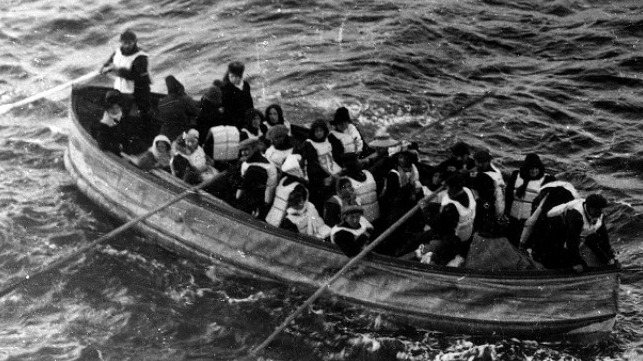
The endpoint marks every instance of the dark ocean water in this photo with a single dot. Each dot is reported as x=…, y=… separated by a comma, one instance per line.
x=564, y=78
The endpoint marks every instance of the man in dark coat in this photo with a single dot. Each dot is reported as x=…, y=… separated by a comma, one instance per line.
x=235, y=95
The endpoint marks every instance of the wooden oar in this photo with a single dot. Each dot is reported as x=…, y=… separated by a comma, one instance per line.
x=61, y=261
x=4, y=108
x=342, y=271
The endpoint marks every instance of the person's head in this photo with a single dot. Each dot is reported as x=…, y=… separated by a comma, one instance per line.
x=352, y=214
x=213, y=95
x=404, y=160
x=254, y=118
x=482, y=159
x=192, y=140
x=235, y=72
x=113, y=105
x=278, y=135
x=318, y=130
x=163, y=146
x=247, y=148
x=174, y=87
x=274, y=114
x=437, y=177
x=128, y=41
x=460, y=151
x=594, y=205
x=344, y=188
x=454, y=184
x=297, y=198
x=341, y=116
x=532, y=166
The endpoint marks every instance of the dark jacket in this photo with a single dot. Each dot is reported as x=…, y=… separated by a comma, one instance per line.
x=253, y=186
x=348, y=243
x=177, y=110
x=235, y=102
x=109, y=138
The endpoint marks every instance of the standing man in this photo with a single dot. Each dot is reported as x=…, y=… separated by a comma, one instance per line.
x=130, y=66
x=235, y=95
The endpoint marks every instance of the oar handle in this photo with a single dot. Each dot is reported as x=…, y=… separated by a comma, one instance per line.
x=4, y=108
x=343, y=270
x=61, y=261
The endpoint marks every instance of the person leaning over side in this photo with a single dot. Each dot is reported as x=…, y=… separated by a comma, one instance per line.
x=522, y=188
x=570, y=225
x=235, y=95
x=130, y=66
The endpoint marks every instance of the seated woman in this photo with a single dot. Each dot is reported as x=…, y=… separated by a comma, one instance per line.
x=321, y=167
x=274, y=116
x=293, y=177
x=280, y=145
x=345, y=136
x=344, y=196
x=259, y=179
x=353, y=233
x=402, y=187
x=189, y=161
x=364, y=185
x=157, y=156
x=109, y=132
x=252, y=126
x=302, y=217
x=177, y=111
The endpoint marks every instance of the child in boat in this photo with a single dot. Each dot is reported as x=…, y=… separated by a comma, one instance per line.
x=302, y=216
x=353, y=233
x=344, y=196
x=157, y=156
x=189, y=161
x=321, y=167
x=280, y=145
x=522, y=188
x=259, y=179
x=275, y=116
x=109, y=132
x=252, y=125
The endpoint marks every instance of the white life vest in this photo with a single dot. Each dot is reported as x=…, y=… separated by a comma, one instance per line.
x=498, y=190
x=364, y=225
x=464, y=229
x=366, y=193
x=325, y=156
x=277, y=156
x=198, y=161
x=225, y=140
x=412, y=177
x=252, y=136
x=308, y=221
x=271, y=183
x=347, y=140
x=577, y=204
x=566, y=185
x=521, y=207
x=280, y=203
x=123, y=85
x=356, y=136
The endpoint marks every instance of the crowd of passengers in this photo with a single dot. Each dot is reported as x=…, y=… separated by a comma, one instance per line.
x=336, y=186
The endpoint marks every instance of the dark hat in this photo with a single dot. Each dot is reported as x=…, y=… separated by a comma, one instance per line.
x=352, y=209
x=460, y=149
x=596, y=201
x=482, y=156
x=383, y=139
x=252, y=143
x=128, y=35
x=112, y=97
x=213, y=94
x=237, y=68
x=341, y=116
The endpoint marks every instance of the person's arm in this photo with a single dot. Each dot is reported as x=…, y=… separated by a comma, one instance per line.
x=249, y=103
x=574, y=222
x=108, y=65
x=599, y=243
x=138, y=73
x=337, y=149
x=332, y=213
x=392, y=185
x=509, y=191
x=313, y=168
x=446, y=222
x=288, y=225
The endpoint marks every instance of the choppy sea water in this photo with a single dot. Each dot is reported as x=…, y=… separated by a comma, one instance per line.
x=564, y=78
